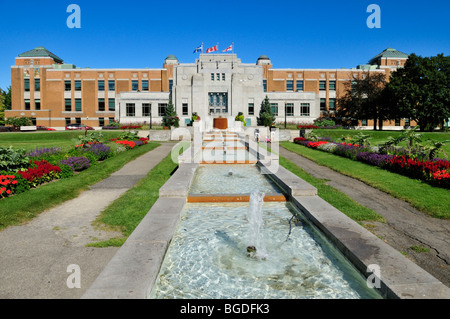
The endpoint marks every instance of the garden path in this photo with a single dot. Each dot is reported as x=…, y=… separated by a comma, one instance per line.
x=405, y=226
x=35, y=256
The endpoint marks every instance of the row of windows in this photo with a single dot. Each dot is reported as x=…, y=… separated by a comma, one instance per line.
x=216, y=76
x=111, y=85
x=289, y=109
x=37, y=85
x=130, y=109
x=37, y=104
x=101, y=120
x=299, y=85
x=331, y=104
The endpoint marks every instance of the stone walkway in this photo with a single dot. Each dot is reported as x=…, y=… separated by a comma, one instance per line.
x=405, y=226
x=35, y=256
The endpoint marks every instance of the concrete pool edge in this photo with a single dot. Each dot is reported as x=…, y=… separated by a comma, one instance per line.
x=133, y=271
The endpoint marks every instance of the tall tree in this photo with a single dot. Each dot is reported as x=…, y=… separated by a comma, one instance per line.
x=266, y=117
x=2, y=107
x=421, y=90
x=170, y=117
x=363, y=99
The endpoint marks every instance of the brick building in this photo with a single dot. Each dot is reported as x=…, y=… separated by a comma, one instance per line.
x=55, y=93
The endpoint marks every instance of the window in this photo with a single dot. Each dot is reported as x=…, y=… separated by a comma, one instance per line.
x=101, y=104
x=332, y=104
x=78, y=120
x=185, y=109
x=218, y=76
x=397, y=122
x=265, y=85
x=289, y=108
x=304, y=109
x=37, y=85
x=67, y=85
x=101, y=121
x=323, y=104
x=77, y=85
x=134, y=85
x=146, y=109
x=101, y=85
x=212, y=76
x=111, y=85
x=67, y=120
x=322, y=85
x=299, y=84
x=354, y=85
x=407, y=122
x=162, y=109
x=170, y=86
x=332, y=85
x=289, y=85
x=37, y=104
x=27, y=85
x=68, y=105
x=144, y=85
x=251, y=108
x=111, y=120
x=130, y=109
x=77, y=105
x=33, y=121
x=111, y=104
x=274, y=107
x=364, y=122
x=27, y=104
x=223, y=76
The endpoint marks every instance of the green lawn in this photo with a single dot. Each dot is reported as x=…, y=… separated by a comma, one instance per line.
x=126, y=212
x=25, y=206
x=379, y=137
x=336, y=198
x=33, y=140
x=424, y=197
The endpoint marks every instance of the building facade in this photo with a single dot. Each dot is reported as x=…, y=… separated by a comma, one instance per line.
x=54, y=93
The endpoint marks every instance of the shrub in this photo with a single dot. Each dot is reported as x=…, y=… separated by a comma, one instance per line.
x=66, y=171
x=40, y=172
x=11, y=159
x=100, y=151
x=77, y=163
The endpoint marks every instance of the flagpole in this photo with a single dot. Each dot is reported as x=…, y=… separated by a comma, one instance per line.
x=232, y=47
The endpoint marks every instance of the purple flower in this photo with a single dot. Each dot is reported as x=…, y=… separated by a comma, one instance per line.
x=77, y=163
x=38, y=152
x=373, y=158
x=101, y=151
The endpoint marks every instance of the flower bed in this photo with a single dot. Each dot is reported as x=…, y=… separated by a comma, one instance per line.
x=20, y=170
x=433, y=171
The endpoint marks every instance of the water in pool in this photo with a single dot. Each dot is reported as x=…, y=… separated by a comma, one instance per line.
x=208, y=257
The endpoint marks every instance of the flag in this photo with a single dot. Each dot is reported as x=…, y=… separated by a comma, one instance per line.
x=212, y=49
x=199, y=49
x=230, y=48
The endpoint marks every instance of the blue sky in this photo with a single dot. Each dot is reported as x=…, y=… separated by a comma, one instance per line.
x=294, y=33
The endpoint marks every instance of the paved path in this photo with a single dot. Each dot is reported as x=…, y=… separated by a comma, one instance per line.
x=34, y=257
x=404, y=227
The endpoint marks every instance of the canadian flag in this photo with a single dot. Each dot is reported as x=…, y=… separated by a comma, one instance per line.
x=214, y=48
x=230, y=48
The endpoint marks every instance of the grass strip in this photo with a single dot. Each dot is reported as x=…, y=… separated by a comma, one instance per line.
x=126, y=212
x=334, y=197
x=431, y=200
x=22, y=207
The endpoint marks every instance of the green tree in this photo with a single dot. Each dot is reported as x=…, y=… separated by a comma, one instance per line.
x=2, y=108
x=170, y=117
x=363, y=99
x=421, y=91
x=266, y=117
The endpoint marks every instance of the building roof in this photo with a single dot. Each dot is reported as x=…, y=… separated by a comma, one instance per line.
x=41, y=52
x=171, y=57
x=263, y=57
x=389, y=53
